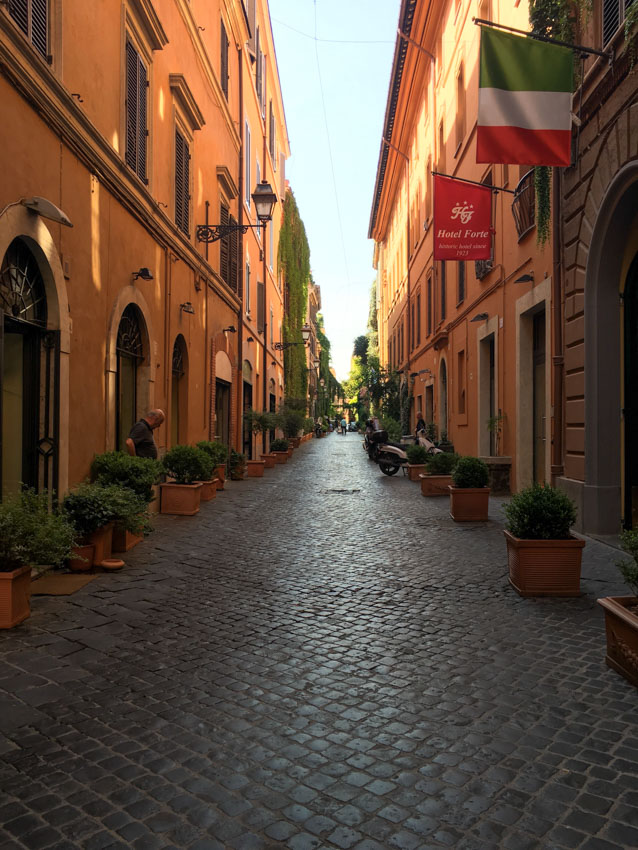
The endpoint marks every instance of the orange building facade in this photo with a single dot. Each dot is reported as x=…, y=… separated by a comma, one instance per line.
x=472, y=339
x=165, y=126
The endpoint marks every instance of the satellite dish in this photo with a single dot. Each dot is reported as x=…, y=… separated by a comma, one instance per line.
x=47, y=210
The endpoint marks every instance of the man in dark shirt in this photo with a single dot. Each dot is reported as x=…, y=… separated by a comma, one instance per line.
x=140, y=441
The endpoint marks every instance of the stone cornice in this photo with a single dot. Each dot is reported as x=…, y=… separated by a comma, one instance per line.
x=153, y=29
x=187, y=102
x=32, y=78
x=225, y=179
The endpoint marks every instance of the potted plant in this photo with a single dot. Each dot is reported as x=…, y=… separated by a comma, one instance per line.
x=30, y=534
x=417, y=457
x=621, y=615
x=543, y=557
x=219, y=452
x=444, y=444
x=90, y=509
x=255, y=468
x=437, y=478
x=469, y=493
x=208, y=479
x=237, y=465
x=280, y=449
x=139, y=474
x=187, y=466
x=131, y=517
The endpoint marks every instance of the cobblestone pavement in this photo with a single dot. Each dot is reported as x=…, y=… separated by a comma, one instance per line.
x=320, y=659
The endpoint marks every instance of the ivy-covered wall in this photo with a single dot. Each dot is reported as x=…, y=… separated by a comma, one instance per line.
x=294, y=266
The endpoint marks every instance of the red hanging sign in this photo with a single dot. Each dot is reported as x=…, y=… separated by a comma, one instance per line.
x=462, y=220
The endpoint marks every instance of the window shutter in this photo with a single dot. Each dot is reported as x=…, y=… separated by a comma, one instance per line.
x=39, y=26
x=282, y=176
x=142, y=84
x=224, y=61
x=224, y=247
x=132, y=108
x=182, y=183
x=258, y=68
x=261, y=307
x=264, y=74
x=611, y=19
x=19, y=11
x=271, y=132
x=233, y=264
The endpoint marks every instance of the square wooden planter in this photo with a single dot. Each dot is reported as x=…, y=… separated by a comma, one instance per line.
x=621, y=626
x=415, y=470
x=209, y=490
x=469, y=504
x=123, y=540
x=15, y=596
x=435, y=485
x=255, y=468
x=180, y=499
x=270, y=460
x=102, y=541
x=544, y=567
x=281, y=457
x=82, y=558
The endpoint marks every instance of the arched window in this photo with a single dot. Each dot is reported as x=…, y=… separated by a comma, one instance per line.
x=178, y=391
x=130, y=354
x=22, y=294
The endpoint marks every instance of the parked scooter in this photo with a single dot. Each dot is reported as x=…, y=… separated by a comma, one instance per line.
x=372, y=439
x=391, y=457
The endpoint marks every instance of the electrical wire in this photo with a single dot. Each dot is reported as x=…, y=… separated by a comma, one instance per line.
x=328, y=40
x=332, y=167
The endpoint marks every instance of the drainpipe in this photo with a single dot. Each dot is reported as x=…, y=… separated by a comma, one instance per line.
x=557, y=467
x=240, y=263
x=264, y=273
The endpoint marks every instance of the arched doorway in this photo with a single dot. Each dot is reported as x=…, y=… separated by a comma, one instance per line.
x=29, y=376
x=443, y=400
x=179, y=391
x=130, y=355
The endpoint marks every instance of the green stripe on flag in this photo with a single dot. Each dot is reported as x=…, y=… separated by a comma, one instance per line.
x=516, y=63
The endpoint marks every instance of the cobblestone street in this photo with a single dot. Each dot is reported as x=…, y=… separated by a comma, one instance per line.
x=321, y=659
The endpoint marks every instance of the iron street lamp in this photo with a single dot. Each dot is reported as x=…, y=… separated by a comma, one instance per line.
x=264, y=199
x=305, y=333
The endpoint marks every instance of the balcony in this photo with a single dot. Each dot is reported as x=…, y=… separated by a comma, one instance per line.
x=483, y=267
x=524, y=205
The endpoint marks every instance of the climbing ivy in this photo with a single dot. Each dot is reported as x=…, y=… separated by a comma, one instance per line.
x=294, y=267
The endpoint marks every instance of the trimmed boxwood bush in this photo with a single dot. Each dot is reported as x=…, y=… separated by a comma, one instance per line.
x=540, y=512
x=470, y=472
x=416, y=454
x=31, y=534
x=279, y=446
x=187, y=464
x=442, y=464
x=137, y=473
x=92, y=506
x=218, y=451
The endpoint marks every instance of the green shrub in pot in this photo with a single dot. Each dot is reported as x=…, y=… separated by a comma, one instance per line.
x=416, y=455
x=279, y=446
x=470, y=472
x=441, y=463
x=187, y=464
x=137, y=473
x=33, y=534
x=218, y=451
x=540, y=512
x=89, y=507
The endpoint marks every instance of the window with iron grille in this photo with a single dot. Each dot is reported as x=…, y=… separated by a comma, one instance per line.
x=524, y=205
x=136, y=112
x=32, y=18
x=614, y=14
x=224, y=61
x=182, y=183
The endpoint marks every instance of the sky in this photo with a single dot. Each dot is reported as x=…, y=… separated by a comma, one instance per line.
x=335, y=97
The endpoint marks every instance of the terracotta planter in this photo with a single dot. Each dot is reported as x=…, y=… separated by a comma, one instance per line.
x=290, y=451
x=544, y=567
x=296, y=442
x=270, y=460
x=281, y=457
x=469, y=504
x=113, y=564
x=209, y=490
x=414, y=470
x=15, y=595
x=220, y=472
x=102, y=540
x=123, y=540
x=435, y=485
x=76, y=562
x=255, y=468
x=621, y=626
x=180, y=499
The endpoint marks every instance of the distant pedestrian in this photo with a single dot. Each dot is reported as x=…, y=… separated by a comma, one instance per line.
x=344, y=426
x=420, y=422
x=140, y=440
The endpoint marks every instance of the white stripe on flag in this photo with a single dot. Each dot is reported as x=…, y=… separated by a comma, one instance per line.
x=531, y=110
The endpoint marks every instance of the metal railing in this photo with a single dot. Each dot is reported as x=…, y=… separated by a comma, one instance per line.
x=524, y=205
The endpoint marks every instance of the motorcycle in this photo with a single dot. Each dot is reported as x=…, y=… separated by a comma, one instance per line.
x=372, y=439
x=391, y=457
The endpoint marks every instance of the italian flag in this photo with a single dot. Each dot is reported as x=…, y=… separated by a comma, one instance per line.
x=525, y=96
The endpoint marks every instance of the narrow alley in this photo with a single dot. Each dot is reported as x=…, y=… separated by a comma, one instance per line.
x=321, y=658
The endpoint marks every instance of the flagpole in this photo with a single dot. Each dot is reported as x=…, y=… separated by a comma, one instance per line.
x=607, y=54
x=473, y=182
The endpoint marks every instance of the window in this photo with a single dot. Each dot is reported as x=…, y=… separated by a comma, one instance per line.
x=247, y=288
x=461, y=381
x=272, y=135
x=443, y=291
x=247, y=169
x=430, y=305
x=412, y=326
x=614, y=13
x=461, y=282
x=260, y=74
x=483, y=267
x=223, y=65
x=32, y=18
x=182, y=183
x=441, y=163
x=460, y=109
x=270, y=326
x=524, y=204
x=418, y=318
x=136, y=117
x=130, y=354
x=428, y=193
x=229, y=252
x=271, y=245
x=261, y=307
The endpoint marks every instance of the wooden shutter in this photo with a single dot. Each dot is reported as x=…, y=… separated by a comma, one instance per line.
x=224, y=248
x=224, y=61
x=142, y=131
x=261, y=307
x=282, y=176
x=271, y=133
x=259, y=67
x=233, y=261
x=182, y=183
x=19, y=11
x=39, y=26
x=132, y=108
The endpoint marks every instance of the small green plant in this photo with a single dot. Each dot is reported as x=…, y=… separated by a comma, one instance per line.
x=237, y=464
x=430, y=431
x=218, y=451
x=393, y=427
x=495, y=426
x=91, y=506
x=540, y=512
x=279, y=446
x=308, y=425
x=137, y=473
x=442, y=464
x=629, y=569
x=31, y=534
x=470, y=472
x=187, y=464
x=259, y=422
x=416, y=454
x=291, y=420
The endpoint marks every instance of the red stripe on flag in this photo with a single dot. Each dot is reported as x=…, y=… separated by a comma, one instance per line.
x=517, y=146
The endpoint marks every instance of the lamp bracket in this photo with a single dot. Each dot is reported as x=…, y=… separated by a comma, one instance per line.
x=213, y=232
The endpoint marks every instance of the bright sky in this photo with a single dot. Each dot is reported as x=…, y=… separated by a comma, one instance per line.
x=334, y=97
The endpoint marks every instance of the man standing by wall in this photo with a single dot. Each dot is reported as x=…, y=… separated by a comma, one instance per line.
x=140, y=441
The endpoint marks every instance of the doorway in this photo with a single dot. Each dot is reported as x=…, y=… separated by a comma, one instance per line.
x=538, y=393
x=443, y=427
x=179, y=389
x=630, y=302
x=130, y=354
x=222, y=411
